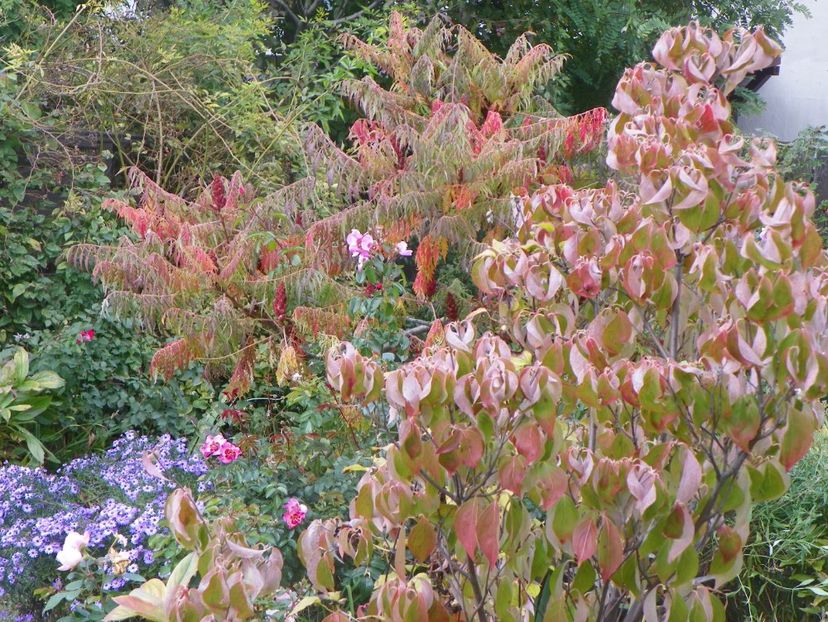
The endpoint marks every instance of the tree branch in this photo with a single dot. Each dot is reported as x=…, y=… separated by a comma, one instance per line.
x=340, y=20
x=676, y=311
x=293, y=17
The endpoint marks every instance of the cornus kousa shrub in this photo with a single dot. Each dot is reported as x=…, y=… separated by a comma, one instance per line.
x=657, y=370
x=231, y=575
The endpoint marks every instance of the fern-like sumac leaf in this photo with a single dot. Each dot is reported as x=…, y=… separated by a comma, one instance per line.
x=368, y=52
x=152, y=191
x=173, y=357
x=429, y=253
x=196, y=259
x=86, y=256
x=313, y=322
x=432, y=41
x=242, y=377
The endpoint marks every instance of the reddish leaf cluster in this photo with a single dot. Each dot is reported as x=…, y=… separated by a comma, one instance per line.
x=439, y=152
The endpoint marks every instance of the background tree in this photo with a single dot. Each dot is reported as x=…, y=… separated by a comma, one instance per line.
x=603, y=37
x=442, y=148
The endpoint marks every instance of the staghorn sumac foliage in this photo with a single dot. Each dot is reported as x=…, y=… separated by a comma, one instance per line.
x=440, y=151
x=223, y=273
x=436, y=157
x=661, y=354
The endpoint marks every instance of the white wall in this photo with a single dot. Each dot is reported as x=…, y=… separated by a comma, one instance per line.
x=798, y=96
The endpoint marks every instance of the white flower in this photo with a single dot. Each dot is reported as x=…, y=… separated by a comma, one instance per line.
x=72, y=552
x=402, y=249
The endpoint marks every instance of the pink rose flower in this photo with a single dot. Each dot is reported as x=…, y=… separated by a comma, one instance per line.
x=228, y=453
x=212, y=445
x=360, y=245
x=402, y=249
x=294, y=513
x=85, y=335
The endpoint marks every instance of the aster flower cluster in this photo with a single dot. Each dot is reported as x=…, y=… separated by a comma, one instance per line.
x=106, y=496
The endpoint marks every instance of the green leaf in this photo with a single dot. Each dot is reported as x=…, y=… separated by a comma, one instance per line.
x=33, y=444
x=182, y=573
x=18, y=289
x=48, y=380
x=768, y=482
x=21, y=365
x=565, y=518
x=54, y=601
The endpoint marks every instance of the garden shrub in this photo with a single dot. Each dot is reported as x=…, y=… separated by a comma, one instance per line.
x=313, y=66
x=102, y=494
x=196, y=97
x=24, y=398
x=655, y=369
x=255, y=489
x=108, y=389
x=45, y=303
x=233, y=576
x=440, y=149
x=785, y=576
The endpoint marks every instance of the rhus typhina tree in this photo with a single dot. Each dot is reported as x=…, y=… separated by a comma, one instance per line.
x=438, y=155
x=442, y=148
x=657, y=370
x=225, y=274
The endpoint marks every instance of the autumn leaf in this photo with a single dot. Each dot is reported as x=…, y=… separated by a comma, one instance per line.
x=584, y=540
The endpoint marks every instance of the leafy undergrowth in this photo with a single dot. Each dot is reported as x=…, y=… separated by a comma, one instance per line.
x=785, y=577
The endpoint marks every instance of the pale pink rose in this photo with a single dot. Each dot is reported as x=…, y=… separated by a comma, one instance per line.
x=228, y=453
x=212, y=445
x=72, y=552
x=402, y=249
x=360, y=245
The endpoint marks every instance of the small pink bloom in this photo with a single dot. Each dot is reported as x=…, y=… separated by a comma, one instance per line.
x=212, y=445
x=228, y=453
x=85, y=335
x=403, y=250
x=360, y=245
x=294, y=513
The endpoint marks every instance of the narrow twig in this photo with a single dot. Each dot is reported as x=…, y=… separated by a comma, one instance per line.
x=676, y=311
